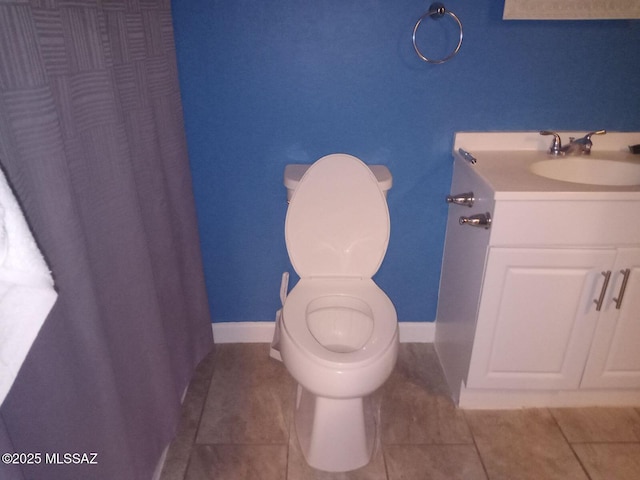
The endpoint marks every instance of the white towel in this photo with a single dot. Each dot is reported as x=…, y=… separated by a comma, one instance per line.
x=26, y=288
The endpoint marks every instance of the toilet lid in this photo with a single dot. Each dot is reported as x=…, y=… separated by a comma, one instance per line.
x=338, y=221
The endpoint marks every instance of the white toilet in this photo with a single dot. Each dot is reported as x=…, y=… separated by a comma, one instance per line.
x=338, y=330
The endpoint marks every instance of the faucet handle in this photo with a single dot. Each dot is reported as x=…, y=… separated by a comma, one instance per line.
x=597, y=132
x=585, y=142
x=556, y=145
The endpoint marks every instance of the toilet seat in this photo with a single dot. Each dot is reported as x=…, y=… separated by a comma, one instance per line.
x=383, y=313
x=338, y=221
x=337, y=232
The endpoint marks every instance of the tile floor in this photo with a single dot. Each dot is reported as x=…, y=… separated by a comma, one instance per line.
x=237, y=424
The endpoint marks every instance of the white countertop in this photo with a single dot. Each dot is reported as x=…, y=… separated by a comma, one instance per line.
x=504, y=159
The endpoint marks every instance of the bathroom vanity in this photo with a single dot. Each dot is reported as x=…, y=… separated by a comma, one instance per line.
x=539, y=301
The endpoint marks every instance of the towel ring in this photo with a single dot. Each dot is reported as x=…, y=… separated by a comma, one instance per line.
x=437, y=10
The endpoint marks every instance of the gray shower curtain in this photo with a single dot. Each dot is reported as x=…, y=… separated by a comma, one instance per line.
x=92, y=142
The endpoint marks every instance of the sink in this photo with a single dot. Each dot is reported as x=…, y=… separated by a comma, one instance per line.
x=591, y=171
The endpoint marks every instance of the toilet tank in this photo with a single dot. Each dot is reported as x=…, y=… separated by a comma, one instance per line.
x=294, y=172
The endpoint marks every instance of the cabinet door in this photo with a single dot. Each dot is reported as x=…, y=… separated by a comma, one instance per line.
x=537, y=317
x=614, y=360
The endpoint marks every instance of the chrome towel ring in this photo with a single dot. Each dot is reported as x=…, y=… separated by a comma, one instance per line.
x=437, y=10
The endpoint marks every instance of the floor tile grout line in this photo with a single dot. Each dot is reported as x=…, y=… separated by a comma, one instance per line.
x=290, y=425
x=564, y=436
x=601, y=442
x=384, y=461
x=203, y=402
x=475, y=444
x=439, y=444
x=378, y=443
x=241, y=444
x=286, y=465
x=577, y=457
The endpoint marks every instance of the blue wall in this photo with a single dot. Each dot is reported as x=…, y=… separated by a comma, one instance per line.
x=270, y=83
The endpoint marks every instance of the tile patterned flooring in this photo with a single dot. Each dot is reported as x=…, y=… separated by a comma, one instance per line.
x=237, y=424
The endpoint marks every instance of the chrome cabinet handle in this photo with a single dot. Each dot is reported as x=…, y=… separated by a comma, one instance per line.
x=482, y=220
x=462, y=199
x=600, y=300
x=623, y=287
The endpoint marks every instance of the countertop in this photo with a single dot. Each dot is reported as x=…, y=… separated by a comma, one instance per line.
x=504, y=160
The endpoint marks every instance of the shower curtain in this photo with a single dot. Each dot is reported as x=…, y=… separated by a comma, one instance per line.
x=92, y=142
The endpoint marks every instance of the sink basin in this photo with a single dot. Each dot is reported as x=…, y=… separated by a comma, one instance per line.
x=591, y=171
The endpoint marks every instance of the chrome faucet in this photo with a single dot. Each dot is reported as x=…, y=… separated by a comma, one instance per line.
x=580, y=146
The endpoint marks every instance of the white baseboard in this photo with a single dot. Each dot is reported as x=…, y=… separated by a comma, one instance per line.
x=262, y=332
x=494, y=399
x=243, y=332
x=417, y=332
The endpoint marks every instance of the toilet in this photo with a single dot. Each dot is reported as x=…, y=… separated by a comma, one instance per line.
x=338, y=331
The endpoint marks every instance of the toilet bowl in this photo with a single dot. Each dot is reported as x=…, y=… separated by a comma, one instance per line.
x=338, y=330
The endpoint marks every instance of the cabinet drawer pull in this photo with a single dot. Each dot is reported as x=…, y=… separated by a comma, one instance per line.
x=623, y=287
x=462, y=199
x=482, y=220
x=605, y=284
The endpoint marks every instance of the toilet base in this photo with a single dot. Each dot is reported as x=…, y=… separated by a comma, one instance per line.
x=336, y=435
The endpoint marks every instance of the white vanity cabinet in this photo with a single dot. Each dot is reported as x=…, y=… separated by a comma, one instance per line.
x=614, y=360
x=530, y=310
x=536, y=317
x=541, y=326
